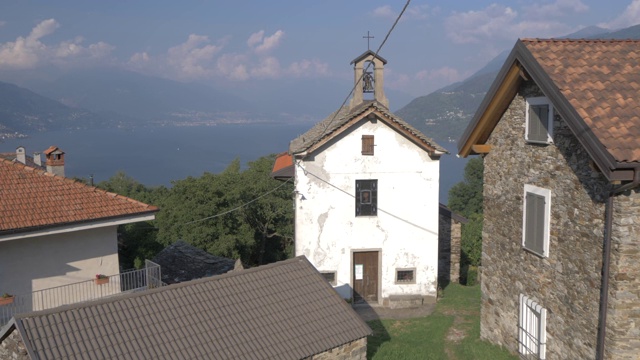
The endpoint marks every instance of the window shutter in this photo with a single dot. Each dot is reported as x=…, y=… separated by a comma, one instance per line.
x=538, y=123
x=534, y=227
x=367, y=144
x=358, y=188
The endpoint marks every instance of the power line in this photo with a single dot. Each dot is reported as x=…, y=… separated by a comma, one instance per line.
x=406, y=5
x=237, y=207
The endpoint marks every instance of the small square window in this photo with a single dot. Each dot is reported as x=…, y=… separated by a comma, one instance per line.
x=367, y=144
x=539, y=120
x=405, y=276
x=330, y=276
x=366, y=197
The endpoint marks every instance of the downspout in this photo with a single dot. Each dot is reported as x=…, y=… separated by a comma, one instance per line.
x=604, y=292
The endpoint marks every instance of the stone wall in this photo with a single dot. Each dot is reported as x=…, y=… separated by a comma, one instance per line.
x=623, y=317
x=449, y=237
x=567, y=282
x=356, y=350
x=13, y=348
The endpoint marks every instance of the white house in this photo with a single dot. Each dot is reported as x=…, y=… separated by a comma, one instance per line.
x=56, y=231
x=366, y=204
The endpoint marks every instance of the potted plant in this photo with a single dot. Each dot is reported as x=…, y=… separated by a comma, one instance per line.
x=101, y=279
x=6, y=299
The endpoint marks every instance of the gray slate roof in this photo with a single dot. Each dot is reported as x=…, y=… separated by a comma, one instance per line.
x=182, y=261
x=336, y=120
x=284, y=310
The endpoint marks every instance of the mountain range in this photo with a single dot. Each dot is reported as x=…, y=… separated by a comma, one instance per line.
x=445, y=113
x=93, y=98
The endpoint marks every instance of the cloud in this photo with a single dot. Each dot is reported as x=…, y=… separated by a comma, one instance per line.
x=232, y=66
x=384, y=12
x=629, y=17
x=498, y=22
x=193, y=58
x=268, y=67
x=263, y=44
x=29, y=52
x=556, y=8
x=309, y=68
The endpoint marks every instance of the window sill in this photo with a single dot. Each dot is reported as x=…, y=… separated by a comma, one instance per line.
x=543, y=256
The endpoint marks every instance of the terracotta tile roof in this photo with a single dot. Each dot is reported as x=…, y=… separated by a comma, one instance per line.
x=11, y=156
x=601, y=80
x=284, y=310
x=328, y=127
x=32, y=198
x=283, y=167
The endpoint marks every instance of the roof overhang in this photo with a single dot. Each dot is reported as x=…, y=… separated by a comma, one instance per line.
x=72, y=227
x=521, y=64
x=369, y=113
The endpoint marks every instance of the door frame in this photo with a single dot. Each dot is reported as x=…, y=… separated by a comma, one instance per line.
x=351, y=253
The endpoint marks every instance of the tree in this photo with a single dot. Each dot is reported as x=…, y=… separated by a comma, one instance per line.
x=466, y=199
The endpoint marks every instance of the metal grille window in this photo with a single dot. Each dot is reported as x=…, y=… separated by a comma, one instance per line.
x=367, y=144
x=535, y=227
x=366, y=197
x=539, y=120
x=405, y=276
x=532, y=332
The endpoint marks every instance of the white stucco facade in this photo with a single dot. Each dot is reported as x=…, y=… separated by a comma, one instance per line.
x=405, y=230
x=35, y=263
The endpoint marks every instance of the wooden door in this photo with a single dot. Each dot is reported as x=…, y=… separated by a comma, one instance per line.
x=365, y=276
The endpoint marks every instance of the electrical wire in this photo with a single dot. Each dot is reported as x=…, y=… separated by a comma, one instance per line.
x=375, y=54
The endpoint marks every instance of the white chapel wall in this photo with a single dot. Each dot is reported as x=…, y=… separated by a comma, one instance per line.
x=406, y=227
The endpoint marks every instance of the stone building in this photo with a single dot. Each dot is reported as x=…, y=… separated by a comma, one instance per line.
x=283, y=310
x=366, y=204
x=559, y=132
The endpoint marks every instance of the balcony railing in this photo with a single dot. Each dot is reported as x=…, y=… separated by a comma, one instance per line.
x=125, y=282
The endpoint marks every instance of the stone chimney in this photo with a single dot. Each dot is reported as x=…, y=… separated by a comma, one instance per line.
x=37, y=159
x=55, y=160
x=368, y=71
x=21, y=155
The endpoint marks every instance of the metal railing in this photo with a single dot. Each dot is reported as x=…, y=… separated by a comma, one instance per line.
x=125, y=282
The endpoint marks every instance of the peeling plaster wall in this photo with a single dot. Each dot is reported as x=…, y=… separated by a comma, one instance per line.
x=406, y=227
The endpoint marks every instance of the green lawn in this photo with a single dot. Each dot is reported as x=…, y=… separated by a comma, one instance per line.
x=451, y=332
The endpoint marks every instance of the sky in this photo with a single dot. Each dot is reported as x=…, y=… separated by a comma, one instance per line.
x=249, y=42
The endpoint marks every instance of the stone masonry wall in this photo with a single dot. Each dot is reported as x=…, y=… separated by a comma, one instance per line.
x=567, y=282
x=13, y=348
x=623, y=317
x=449, y=237
x=356, y=350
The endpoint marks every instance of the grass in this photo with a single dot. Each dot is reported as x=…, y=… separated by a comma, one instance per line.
x=452, y=331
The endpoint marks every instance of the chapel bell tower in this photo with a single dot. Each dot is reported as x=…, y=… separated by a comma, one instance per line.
x=368, y=70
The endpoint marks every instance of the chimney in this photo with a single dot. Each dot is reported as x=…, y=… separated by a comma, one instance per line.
x=21, y=154
x=55, y=160
x=37, y=159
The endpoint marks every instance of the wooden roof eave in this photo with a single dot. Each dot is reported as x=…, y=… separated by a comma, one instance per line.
x=433, y=152
x=495, y=103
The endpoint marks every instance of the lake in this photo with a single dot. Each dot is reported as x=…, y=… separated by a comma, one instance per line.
x=157, y=155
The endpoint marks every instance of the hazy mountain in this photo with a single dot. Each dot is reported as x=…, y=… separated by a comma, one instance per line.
x=23, y=111
x=445, y=113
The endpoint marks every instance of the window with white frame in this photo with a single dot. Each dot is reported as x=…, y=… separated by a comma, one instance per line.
x=532, y=333
x=539, y=120
x=535, y=220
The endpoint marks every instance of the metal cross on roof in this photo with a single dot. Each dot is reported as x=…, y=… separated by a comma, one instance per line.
x=368, y=37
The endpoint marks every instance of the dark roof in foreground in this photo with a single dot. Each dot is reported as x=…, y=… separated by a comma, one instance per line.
x=345, y=117
x=284, y=310
x=182, y=261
